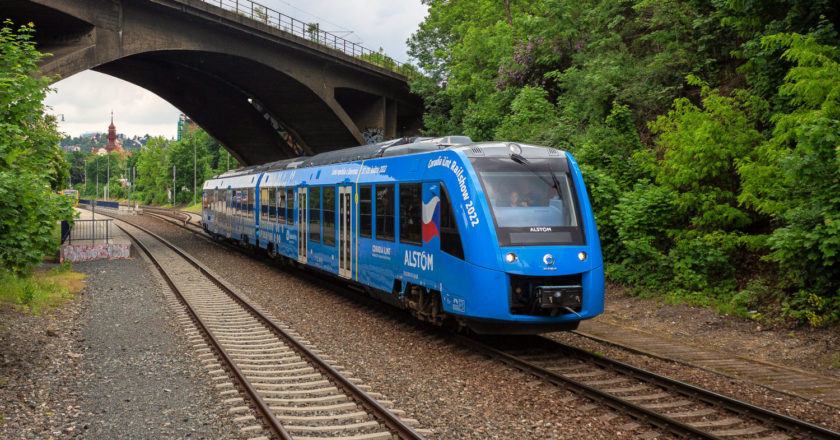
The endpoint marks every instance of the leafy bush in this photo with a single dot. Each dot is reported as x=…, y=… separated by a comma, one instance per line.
x=796, y=178
x=531, y=117
x=31, y=164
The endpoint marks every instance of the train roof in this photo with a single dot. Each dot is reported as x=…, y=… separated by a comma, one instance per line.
x=393, y=147
x=396, y=147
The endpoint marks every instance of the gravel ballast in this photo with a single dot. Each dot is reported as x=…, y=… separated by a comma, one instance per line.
x=117, y=367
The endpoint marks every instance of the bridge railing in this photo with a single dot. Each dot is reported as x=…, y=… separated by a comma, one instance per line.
x=312, y=32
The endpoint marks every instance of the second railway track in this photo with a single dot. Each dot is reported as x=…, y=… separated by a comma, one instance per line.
x=297, y=394
x=676, y=407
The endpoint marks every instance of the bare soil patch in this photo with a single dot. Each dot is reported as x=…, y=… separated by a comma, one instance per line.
x=816, y=350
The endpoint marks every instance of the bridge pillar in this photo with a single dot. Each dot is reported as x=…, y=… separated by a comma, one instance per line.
x=374, y=115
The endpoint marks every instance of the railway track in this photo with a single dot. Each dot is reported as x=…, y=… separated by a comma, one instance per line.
x=678, y=408
x=183, y=216
x=295, y=392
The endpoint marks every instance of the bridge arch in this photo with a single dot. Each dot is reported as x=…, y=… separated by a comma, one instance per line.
x=263, y=93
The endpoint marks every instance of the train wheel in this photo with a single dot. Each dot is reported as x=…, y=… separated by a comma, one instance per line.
x=425, y=305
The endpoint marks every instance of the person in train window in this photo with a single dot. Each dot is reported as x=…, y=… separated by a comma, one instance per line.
x=515, y=200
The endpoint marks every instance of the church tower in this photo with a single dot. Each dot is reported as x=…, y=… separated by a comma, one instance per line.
x=112, y=136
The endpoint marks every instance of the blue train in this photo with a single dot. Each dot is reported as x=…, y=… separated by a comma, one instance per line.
x=497, y=237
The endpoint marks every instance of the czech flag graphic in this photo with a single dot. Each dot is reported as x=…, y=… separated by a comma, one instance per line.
x=431, y=219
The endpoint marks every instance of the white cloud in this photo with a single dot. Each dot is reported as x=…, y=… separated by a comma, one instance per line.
x=87, y=99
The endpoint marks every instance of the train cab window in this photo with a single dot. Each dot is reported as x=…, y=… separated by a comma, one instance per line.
x=264, y=204
x=315, y=214
x=280, y=199
x=385, y=212
x=411, y=205
x=329, y=215
x=450, y=239
x=290, y=206
x=366, y=211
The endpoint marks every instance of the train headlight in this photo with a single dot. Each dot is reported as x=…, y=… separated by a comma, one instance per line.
x=514, y=148
x=510, y=257
x=582, y=256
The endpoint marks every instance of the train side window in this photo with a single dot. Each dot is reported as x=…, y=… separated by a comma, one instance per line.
x=250, y=203
x=366, y=211
x=385, y=212
x=264, y=204
x=329, y=215
x=315, y=214
x=280, y=198
x=272, y=204
x=411, y=205
x=290, y=206
x=450, y=239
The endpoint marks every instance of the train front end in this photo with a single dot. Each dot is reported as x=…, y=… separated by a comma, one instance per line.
x=545, y=272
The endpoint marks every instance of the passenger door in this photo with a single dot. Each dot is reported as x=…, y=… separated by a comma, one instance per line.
x=228, y=210
x=303, y=224
x=345, y=230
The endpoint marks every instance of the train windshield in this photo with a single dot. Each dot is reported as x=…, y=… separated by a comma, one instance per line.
x=533, y=203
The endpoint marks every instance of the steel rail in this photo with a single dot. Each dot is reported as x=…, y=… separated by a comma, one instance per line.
x=274, y=425
x=626, y=407
x=396, y=425
x=781, y=421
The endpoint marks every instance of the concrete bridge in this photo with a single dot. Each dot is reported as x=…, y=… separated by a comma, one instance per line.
x=264, y=85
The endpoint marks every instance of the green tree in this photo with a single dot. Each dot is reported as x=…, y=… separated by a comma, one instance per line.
x=796, y=176
x=154, y=172
x=76, y=160
x=531, y=117
x=32, y=165
x=183, y=154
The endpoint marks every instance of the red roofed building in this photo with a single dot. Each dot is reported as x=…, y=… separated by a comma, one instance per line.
x=112, y=137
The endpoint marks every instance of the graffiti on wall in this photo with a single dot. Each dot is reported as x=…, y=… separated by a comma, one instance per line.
x=373, y=135
x=75, y=253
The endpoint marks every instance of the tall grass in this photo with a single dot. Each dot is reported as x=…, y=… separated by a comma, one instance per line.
x=42, y=290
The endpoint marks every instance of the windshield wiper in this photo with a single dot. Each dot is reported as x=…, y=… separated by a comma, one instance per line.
x=518, y=158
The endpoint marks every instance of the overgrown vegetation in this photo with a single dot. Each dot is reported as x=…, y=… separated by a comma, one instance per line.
x=708, y=133
x=42, y=290
x=32, y=167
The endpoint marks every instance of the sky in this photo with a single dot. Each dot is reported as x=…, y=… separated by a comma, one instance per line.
x=85, y=100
